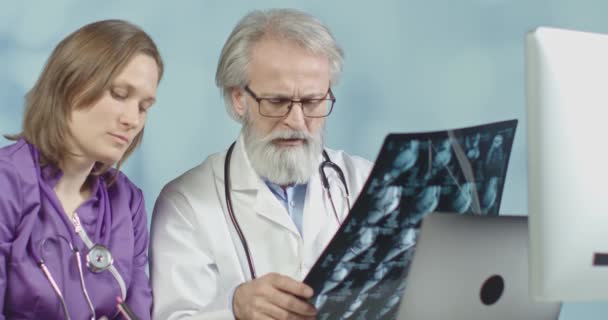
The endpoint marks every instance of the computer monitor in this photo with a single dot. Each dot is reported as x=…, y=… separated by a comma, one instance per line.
x=472, y=268
x=567, y=103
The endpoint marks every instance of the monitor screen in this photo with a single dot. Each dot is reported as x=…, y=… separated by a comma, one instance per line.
x=567, y=105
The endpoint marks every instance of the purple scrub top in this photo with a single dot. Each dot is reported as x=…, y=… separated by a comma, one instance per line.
x=27, y=215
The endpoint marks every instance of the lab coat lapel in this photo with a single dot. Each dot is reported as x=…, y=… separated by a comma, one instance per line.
x=314, y=209
x=320, y=223
x=269, y=207
x=242, y=175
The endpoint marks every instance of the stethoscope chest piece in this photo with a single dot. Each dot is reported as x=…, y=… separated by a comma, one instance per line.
x=99, y=258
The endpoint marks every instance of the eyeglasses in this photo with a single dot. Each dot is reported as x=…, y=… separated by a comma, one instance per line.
x=279, y=107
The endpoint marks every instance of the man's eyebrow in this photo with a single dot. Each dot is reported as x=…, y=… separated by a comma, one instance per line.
x=314, y=95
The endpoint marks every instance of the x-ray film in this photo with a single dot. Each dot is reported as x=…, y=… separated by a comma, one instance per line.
x=362, y=273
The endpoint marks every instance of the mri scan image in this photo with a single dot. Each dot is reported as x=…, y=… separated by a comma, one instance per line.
x=363, y=271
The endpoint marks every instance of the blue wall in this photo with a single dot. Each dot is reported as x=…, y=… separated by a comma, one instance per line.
x=410, y=65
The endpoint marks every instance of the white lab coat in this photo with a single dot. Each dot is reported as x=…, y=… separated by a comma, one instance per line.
x=196, y=256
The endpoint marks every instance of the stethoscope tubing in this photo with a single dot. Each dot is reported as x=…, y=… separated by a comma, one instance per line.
x=235, y=223
x=106, y=220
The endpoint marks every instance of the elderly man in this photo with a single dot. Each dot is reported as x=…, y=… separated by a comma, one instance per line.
x=234, y=236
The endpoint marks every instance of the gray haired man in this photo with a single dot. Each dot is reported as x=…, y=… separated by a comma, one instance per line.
x=234, y=236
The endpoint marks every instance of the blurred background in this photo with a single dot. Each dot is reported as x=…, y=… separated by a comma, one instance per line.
x=410, y=66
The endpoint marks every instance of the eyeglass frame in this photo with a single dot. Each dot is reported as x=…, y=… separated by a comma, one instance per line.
x=258, y=99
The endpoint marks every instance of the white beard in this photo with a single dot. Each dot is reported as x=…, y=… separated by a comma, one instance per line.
x=283, y=165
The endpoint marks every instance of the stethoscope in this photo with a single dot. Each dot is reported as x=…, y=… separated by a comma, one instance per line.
x=98, y=259
x=327, y=163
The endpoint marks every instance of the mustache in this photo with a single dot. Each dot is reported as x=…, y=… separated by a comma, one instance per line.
x=289, y=134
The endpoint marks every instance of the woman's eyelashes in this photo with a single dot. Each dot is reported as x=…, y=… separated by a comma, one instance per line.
x=119, y=93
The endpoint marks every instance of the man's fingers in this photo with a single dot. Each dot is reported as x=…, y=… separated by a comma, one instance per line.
x=291, y=286
x=273, y=296
x=278, y=312
x=293, y=304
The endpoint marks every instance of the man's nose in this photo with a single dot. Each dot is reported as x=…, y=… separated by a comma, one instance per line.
x=295, y=118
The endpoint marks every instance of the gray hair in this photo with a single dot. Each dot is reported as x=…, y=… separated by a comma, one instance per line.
x=288, y=24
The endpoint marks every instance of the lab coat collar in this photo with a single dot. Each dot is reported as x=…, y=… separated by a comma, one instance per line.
x=242, y=175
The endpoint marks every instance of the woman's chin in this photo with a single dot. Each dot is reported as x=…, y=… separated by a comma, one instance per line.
x=109, y=159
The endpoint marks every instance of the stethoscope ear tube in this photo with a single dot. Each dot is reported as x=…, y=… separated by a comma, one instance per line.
x=49, y=276
x=328, y=163
x=99, y=257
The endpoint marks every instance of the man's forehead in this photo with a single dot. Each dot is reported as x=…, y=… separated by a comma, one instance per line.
x=272, y=53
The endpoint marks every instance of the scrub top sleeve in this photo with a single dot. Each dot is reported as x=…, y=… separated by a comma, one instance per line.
x=139, y=293
x=11, y=205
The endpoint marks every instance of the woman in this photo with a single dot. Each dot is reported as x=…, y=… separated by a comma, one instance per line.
x=65, y=214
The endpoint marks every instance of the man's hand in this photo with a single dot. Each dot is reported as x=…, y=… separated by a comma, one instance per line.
x=273, y=296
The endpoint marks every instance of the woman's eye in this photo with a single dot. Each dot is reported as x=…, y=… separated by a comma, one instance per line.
x=118, y=94
x=145, y=106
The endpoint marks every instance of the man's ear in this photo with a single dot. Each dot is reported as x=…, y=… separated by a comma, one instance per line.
x=238, y=102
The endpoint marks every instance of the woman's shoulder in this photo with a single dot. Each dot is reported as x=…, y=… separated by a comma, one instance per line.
x=17, y=153
x=18, y=183
x=16, y=162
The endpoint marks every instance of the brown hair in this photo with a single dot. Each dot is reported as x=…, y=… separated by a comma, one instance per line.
x=78, y=72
